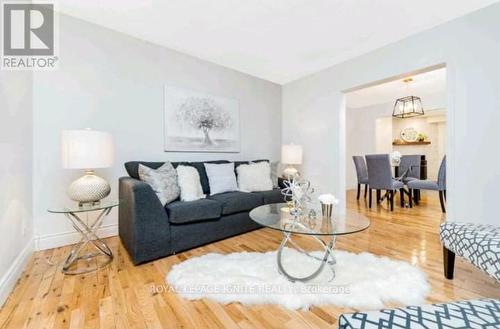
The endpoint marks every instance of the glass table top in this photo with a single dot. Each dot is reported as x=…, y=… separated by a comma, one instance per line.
x=73, y=207
x=277, y=216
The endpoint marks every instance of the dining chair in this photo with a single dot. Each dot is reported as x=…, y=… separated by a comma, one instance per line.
x=361, y=173
x=409, y=169
x=380, y=178
x=439, y=185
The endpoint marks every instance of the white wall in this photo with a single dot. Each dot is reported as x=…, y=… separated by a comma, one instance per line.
x=16, y=146
x=113, y=82
x=383, y=133
x=434, y=151
x=364, y=135
x=313, y=112
x=371, y=130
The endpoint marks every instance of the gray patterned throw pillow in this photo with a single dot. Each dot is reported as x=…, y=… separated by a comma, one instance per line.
x=162, y=180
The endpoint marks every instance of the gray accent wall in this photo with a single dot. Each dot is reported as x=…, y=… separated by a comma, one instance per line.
x=112, y=82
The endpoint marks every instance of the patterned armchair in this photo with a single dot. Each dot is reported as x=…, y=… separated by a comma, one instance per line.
x=481, y=313
x=479, y=244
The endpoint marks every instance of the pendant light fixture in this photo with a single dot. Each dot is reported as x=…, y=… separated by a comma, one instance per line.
x=409, y=106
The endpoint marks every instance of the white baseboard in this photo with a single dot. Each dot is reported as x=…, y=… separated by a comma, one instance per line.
x=50, y=241
x=9, y=280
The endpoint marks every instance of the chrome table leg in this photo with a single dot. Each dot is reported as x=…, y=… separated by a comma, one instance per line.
x=89, y=236
x=327, y=258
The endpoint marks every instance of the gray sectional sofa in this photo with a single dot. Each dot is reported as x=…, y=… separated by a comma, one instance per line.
x=150, y=231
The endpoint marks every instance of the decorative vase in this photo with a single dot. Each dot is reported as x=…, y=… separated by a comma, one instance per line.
x=326, y=210
x=327, y=202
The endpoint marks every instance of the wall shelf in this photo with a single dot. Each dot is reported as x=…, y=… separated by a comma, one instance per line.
x=401, y=143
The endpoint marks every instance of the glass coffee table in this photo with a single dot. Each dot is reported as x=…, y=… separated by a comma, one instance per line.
x=309, y=223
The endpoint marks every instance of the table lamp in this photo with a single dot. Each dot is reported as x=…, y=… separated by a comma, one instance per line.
x=291, y=155
x=87, y=149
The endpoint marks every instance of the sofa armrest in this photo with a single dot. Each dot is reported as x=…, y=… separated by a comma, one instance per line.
x=142, y=221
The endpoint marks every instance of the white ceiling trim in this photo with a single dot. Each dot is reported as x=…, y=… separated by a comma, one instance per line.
x=430, y=84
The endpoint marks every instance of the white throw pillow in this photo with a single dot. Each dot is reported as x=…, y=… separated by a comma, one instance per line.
x=163, y=181
x=189, y=182
x=255, y=177
x=221, y=177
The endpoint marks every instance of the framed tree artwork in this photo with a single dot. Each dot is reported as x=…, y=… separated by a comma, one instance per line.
x=199, y=122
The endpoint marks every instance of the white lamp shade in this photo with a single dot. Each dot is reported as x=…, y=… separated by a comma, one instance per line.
x=291, y=154
x=87, y=149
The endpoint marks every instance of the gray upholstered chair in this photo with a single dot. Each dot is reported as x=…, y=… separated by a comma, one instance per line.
x=439, y=185
x=409, y=166
x=408, y=170
x=380, y=178
x=361, y=172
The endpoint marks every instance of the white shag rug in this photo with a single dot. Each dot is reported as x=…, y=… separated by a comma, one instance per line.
x=363, y=281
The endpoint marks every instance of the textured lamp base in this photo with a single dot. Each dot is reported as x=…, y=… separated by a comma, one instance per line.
x=89, y=189
x=290, y=172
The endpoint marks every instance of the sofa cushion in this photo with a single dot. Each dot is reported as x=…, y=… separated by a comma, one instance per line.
x=233, y=202
x=273, y=196
x=182, y=212
x=481, y=313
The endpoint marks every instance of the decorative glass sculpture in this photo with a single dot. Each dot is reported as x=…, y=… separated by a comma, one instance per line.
x=297, y=193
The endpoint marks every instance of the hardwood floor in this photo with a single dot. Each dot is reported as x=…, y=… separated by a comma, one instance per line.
x=120, y=296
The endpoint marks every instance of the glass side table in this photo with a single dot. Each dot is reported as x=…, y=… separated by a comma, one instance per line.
x=88, y=232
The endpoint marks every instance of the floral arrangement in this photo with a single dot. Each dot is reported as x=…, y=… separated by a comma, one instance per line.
x=395, y=157
x=328, y=199
x=421, y=136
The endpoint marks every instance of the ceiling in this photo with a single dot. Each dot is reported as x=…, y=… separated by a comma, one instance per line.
x=424, y=84
x=276, y=40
